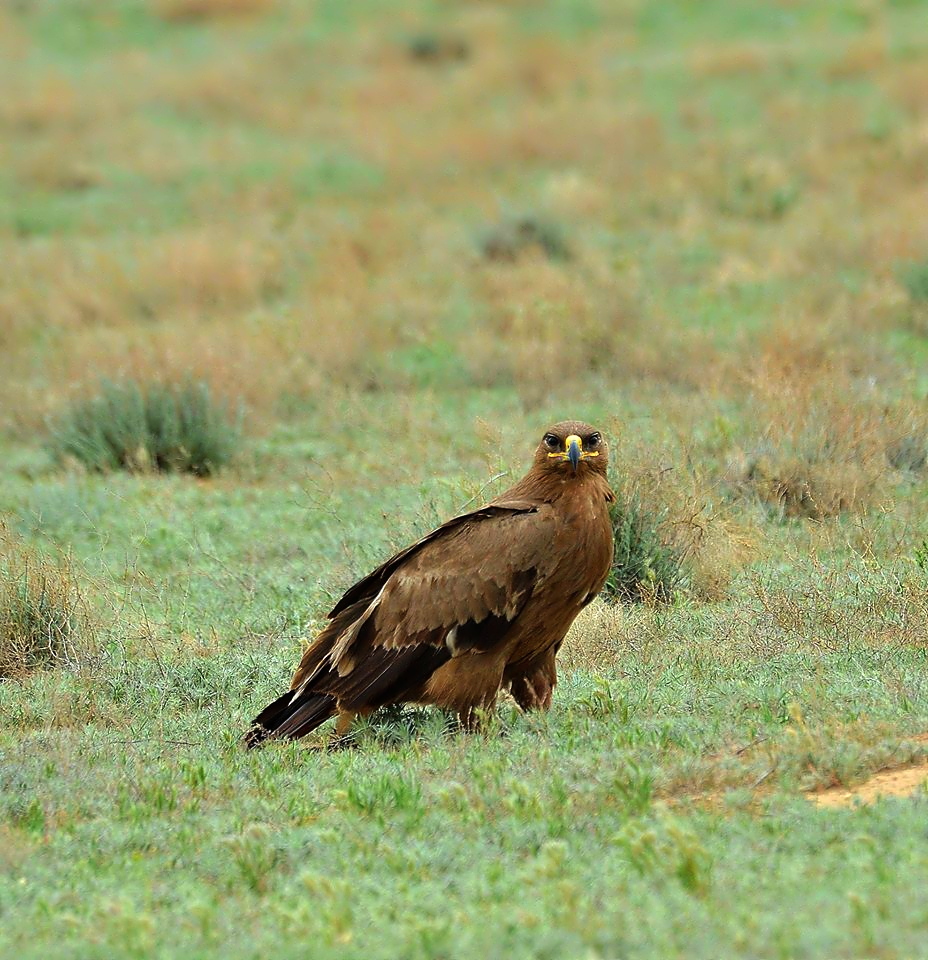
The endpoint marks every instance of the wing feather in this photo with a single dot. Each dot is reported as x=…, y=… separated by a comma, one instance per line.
x=473, y=575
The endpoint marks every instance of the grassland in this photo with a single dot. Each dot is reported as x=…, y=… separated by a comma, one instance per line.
x=320, y=210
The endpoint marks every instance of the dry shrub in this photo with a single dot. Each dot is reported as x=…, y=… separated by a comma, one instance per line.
x=44, y=619
x=828, y=438
x=693, y=524
x=596, y=638
x=822, y=607
x=908, y=86
x=185, y=11
x=546, y=326
x=249, y=314
x=206, y=270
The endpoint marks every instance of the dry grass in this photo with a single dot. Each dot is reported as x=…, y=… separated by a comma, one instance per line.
x=44, y=617
x=889, y=607
x=813, y=611
x=831, y=430
x=310, y=193
x=186, y=11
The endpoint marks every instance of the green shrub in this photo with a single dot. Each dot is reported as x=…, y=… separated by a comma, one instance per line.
x=513, y=236
x=168, y=427
x=43, y=619
x=644, y=566
x=914, y=277
x=428, y=47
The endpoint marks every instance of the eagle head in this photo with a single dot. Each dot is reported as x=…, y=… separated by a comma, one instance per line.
x=572, y=446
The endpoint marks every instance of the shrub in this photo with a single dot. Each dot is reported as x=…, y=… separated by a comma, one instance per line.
x=166, y=427
x=832, y=455
x=513, y=236
x=760, y=188
x=430, y=47
x=644, y=566
x=43, y=619
x=914, y=277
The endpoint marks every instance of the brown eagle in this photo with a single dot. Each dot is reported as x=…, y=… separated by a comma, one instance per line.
x=480, y=604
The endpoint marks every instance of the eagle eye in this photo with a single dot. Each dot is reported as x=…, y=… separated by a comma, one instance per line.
x=593, y=439
x=551, y=441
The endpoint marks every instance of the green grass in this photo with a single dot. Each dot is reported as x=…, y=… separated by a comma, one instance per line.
x=289, y=208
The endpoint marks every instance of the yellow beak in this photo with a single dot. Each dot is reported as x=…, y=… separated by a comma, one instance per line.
x=573, y=451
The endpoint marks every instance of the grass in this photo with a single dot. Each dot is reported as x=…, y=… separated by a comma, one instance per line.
x=713, y=257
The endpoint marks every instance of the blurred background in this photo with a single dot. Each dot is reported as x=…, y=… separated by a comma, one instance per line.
x=701, y=223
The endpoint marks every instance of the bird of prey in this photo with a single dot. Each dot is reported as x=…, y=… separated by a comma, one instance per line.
x=480, y=604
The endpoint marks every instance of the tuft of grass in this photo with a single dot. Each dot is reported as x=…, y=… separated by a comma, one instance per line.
x=43, y=621
x=129, y=426
x=644, y=568
x=514, y=236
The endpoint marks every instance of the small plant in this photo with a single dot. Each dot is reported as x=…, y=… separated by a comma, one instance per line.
x=921, y=556
x=909, y=452
x=430, y=47
x=665, y=846
x=513, y=236
x=43, y=621
x=760, y=189
x=643, y=567
x=256, y=855
x=163, y=427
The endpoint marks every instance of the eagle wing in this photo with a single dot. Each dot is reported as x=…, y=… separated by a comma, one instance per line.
x=459, y=588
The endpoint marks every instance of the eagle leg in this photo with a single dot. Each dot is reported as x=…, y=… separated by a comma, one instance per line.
x=342, y=738
x=474, y=719
x=533, y=687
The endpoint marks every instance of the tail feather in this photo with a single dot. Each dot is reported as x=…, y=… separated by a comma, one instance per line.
x=289, y=718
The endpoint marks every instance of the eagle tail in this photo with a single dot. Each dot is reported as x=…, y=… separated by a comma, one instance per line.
x=290, y=717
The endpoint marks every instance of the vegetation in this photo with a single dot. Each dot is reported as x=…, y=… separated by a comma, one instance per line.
x=514, y=236
x=286, y=203
x=43, y=617
x=175, y=428
x=643, y=568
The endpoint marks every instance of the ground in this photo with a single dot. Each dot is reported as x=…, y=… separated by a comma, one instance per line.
x=404, y=242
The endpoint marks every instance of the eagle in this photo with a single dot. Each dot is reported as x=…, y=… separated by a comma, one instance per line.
x=479, y=605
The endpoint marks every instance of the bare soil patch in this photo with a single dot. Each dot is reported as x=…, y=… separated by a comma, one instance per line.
x=902, y=782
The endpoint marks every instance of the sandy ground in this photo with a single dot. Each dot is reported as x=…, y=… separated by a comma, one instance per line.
x=890, y=783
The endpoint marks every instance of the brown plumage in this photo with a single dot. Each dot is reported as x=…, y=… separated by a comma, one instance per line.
x=480, y=604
